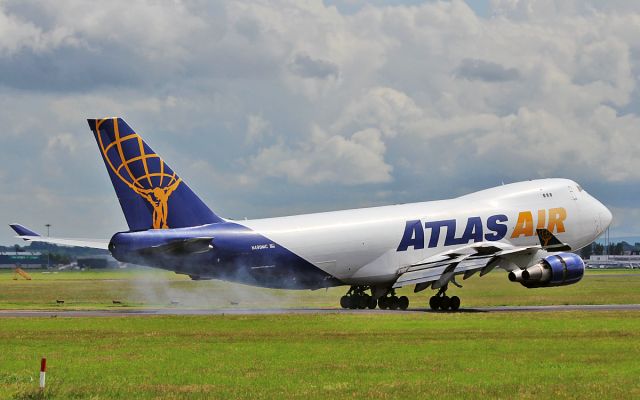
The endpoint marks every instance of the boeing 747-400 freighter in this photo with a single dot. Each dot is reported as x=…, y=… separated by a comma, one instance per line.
x=528, y=229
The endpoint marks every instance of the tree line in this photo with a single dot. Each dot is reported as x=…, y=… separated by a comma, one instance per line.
x=614, y=249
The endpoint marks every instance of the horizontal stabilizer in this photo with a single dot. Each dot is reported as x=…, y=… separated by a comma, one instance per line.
x=22, y=231
x=31, y=236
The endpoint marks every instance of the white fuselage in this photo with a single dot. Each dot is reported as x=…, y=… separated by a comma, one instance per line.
x=369, y=245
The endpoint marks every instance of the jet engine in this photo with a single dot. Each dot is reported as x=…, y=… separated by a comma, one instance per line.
x=556, y=270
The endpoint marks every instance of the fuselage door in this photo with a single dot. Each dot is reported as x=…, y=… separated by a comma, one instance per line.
x=572, y=194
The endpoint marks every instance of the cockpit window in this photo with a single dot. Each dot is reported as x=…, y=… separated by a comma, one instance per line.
x=579, y=188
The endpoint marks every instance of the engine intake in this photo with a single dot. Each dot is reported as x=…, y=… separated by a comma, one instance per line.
x=556, y=270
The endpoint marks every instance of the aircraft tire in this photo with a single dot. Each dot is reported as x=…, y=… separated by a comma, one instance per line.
x=393, y=303
x=403, y=302
x=363, y=302
x=434, y=303
x=353, y=302
x=372, y=303
x=454, y=303
x=344, y=301
x=445, y=301
x=382, y=303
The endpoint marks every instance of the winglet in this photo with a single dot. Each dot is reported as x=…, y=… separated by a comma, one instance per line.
x=549, y=242
x=22, y=231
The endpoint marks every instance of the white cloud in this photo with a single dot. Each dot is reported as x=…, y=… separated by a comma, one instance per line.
x=382, y=108
x=325, y=158
x=414, y=100
x=257, y=128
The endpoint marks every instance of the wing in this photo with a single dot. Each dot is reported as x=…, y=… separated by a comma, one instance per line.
x=29, y=235
x=439, y=270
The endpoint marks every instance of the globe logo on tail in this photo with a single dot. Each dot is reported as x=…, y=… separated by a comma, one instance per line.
x=140, y=169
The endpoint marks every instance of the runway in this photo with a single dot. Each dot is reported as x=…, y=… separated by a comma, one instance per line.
x=240, y=311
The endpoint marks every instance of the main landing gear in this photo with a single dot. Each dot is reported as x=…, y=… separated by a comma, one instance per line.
x=443, y=302
x=356, y=298
x=393, y=302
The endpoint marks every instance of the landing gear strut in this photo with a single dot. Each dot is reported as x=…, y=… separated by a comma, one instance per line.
x=443, y=302
x=356, y=298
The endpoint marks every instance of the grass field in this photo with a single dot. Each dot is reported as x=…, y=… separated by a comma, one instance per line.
x=545, y=355
x=155, y=288
x=570, y=354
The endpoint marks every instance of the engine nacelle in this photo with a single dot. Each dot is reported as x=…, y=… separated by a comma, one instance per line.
x=556, y=270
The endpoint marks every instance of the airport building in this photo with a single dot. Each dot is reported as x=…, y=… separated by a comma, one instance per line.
x=33, y=260
x=23, y=260
x=609, y=261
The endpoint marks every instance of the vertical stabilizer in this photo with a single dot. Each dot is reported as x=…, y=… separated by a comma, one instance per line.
x=152, y=196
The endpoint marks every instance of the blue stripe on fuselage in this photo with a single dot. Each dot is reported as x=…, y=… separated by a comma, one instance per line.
x=238, y=254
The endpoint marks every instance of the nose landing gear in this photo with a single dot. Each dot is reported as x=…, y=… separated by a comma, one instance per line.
x=443, y=302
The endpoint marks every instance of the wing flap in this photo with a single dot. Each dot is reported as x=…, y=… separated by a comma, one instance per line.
x=420, y=276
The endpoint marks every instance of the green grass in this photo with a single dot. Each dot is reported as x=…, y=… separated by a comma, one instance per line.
x=138, y=288
x=380, y=356
x=576, y=355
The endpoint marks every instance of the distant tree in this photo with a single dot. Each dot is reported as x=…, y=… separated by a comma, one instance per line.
x=587, y=251
x=598, y=249
x=58, y=258
x=618, y=249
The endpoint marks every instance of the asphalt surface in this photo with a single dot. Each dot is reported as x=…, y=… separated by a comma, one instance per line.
x=240, y=311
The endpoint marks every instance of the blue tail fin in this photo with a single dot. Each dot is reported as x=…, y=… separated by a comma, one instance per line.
x=152, y=196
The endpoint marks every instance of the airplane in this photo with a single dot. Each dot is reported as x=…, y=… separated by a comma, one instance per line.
x=527, y=229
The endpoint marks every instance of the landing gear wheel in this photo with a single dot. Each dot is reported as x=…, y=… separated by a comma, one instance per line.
x=344, y=301
x=357, y=298
x=393, y=303
x=372, y=303
x=353, y=302
x=403, y=302
x=454, y=304
x=434, y=303
x=362, y=301
x=445, y=301
x=382, y=303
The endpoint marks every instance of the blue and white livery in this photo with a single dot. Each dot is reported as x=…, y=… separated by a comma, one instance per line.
x=525, y=228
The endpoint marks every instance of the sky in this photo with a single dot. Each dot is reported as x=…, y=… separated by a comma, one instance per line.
x=272, y=108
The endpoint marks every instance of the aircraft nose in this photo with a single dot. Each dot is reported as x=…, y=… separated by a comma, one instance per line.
x=605, y=216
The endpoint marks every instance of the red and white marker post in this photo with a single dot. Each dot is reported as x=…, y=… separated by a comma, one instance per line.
x=43, y=372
